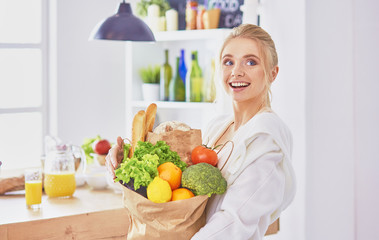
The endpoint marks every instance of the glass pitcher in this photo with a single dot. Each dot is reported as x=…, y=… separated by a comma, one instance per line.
x=59, y=168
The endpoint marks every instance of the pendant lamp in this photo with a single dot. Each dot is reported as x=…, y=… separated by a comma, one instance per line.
x=123, y=26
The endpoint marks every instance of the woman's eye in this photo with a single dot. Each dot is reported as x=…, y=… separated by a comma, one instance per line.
x=251, y=62
x=228, y=63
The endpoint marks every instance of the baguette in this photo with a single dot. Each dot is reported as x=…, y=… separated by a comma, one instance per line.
x=12, y=184
x=151, y=112
x=138, y=130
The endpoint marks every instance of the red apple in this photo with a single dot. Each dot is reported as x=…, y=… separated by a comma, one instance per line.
x=101, y=147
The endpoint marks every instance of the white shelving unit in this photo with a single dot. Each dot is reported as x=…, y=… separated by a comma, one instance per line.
x=185, y=35
x=174, y=105
x=142, y=54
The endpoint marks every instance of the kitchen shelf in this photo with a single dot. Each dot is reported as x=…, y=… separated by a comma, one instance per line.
x=185, y=35
x=174, y=105
x=141, y=54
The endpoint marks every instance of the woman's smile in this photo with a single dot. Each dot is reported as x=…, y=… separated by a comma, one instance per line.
x=238, y=86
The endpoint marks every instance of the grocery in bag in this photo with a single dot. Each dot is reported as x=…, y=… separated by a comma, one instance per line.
x=140, y=173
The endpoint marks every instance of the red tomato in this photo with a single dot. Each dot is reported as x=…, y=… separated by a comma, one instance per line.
x=101, y=147
x=203, y=154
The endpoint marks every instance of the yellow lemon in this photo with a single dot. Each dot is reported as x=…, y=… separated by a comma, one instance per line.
x=159, y=191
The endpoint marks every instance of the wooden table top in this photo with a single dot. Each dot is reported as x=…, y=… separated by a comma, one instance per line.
x=13, y=207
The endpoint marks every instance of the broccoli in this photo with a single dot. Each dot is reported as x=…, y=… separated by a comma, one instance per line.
x=204, y=179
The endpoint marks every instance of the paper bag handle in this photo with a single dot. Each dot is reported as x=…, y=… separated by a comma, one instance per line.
x=231, y=151
x=130, y=142
x=131, y=145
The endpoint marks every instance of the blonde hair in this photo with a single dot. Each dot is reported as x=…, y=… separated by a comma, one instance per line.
x=266, y=46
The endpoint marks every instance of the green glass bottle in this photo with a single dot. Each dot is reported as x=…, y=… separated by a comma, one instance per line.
x=165, y=78
x=194, y=81
x=177, y=90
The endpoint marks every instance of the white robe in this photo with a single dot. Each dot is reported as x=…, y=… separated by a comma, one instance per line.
x=260, y=177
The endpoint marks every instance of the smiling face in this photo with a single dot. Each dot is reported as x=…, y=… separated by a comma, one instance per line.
x=243, y=73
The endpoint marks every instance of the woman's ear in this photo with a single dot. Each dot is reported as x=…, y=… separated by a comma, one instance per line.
x=274, y=72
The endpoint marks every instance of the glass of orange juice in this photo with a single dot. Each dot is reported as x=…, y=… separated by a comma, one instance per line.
x=33, y=188
x=59, y=171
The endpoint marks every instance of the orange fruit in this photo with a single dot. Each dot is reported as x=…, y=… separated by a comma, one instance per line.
x=171, y=173
x=181, y=193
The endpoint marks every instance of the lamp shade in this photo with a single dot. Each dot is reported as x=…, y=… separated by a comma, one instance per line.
x=123, y=26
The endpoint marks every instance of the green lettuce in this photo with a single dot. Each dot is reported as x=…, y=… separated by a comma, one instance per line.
x=87, y=147
x=126, y=151
x=141, y=170
x=143, y=166
x=162, y=150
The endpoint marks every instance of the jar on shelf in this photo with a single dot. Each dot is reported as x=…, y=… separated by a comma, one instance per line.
x=172, y=20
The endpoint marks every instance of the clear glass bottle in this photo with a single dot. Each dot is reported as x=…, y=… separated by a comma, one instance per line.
x=194, y=81
x=176, y=88
x=165, y=78
x=209, y=89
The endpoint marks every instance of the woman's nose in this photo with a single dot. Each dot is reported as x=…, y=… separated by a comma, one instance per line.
x=237, y=71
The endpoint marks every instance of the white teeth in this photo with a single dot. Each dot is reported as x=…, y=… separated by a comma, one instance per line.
x=238, y=84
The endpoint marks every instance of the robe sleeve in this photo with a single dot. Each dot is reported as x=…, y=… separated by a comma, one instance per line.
x=245, y=212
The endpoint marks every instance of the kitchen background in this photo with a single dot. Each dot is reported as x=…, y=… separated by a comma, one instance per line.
x=326, y=92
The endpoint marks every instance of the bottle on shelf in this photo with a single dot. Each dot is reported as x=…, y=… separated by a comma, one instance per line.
x=194, y=81
x=176, y=88
x=165, y=78
x=182, y=66
x=209, y=89
x=191, y=14
x=199, y=17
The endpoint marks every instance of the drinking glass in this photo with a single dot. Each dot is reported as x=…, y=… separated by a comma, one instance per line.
x=33, y=188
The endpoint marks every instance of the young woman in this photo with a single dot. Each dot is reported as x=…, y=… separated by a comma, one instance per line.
x=256, y=157
x=261, y=182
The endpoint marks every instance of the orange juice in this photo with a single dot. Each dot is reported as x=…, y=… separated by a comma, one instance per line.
x=33, y=192
x=60, y=184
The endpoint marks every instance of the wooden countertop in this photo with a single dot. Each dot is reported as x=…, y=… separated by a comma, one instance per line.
x=89, y=214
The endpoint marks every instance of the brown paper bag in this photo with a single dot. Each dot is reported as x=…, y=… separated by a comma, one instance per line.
x=172, y=220
x=182, y=142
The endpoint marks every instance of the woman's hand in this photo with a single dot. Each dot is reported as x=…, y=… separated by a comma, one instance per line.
x=115, y=156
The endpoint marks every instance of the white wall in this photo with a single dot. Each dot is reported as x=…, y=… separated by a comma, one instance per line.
x=90, y=75
x=330, y=125
x=285, y=22
x=366, y=85
x=342, y=113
